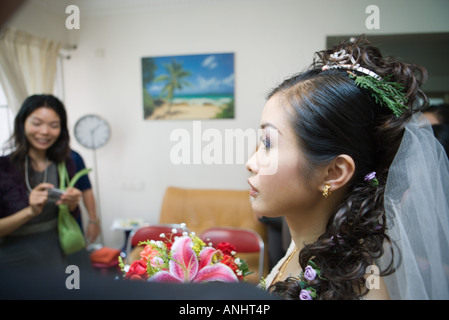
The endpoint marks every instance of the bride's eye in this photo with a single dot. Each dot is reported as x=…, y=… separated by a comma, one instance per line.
x=266, y=142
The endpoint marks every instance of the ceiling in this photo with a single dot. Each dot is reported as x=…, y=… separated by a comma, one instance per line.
x=106, y=7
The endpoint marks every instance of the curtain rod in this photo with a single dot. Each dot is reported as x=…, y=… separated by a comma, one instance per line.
x=66, y=49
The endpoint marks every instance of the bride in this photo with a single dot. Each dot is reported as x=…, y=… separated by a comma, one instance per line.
x=359, y=178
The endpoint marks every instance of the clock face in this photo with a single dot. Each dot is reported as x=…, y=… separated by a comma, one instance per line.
x=92, y=131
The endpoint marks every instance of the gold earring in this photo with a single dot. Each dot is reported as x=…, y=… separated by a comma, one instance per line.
x=326, y=191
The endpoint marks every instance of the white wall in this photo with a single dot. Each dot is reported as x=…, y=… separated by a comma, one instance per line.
x=271, y=39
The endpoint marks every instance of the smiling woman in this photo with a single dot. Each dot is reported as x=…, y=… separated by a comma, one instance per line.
x=28, y=217
x=42, y=129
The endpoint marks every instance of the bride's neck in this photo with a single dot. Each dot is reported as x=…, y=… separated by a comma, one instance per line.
x=305, y=229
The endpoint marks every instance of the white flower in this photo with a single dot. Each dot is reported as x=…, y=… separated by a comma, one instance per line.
x=162, y=235
x=174, y=230
x=183, y=225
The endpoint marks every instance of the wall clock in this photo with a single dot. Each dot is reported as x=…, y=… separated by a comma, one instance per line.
x=92, y=131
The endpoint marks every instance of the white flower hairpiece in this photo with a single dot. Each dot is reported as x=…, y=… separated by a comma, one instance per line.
x=342, y=59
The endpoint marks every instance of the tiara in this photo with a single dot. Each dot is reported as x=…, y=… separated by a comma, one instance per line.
x=385, y=93
x=341, y=59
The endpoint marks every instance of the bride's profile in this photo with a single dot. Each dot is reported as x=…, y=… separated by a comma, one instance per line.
x=360, y=180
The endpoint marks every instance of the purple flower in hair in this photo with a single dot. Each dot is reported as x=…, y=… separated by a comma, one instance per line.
x=305, y=295
x=371, y=177
x=340, y=240
x=309, y=273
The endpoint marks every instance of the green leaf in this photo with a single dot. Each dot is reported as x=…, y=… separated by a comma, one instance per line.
x=312, y=264
x=385, y=93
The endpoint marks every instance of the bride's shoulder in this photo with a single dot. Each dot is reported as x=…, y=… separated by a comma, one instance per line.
x=274, y=272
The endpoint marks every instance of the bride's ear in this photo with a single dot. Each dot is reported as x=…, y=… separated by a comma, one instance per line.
x=339, y=172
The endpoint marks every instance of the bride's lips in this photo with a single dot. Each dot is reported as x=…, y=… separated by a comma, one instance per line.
x=253, y=191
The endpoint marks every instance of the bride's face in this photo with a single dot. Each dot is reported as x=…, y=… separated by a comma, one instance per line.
x=278, y=185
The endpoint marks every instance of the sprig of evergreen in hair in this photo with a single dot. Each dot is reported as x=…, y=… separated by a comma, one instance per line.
x=389, y=94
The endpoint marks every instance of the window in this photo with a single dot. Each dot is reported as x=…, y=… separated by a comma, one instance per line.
x=6, y=122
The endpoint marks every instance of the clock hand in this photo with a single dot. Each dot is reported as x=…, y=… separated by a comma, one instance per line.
x=94, y=129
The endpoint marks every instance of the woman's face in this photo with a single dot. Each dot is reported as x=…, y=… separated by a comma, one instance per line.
x=278, y=184
x=42, y=128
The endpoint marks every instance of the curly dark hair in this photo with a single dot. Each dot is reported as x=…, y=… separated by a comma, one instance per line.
x=333, y=116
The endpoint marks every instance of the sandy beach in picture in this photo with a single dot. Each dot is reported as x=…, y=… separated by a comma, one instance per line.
x=185, y=111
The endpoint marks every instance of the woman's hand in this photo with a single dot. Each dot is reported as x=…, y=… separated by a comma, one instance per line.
x=71, y=197
x=38, y=198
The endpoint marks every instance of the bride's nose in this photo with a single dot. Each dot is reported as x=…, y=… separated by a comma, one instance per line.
x=251, y=164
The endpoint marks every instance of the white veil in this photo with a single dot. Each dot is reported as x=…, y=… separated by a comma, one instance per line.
x=417, y=207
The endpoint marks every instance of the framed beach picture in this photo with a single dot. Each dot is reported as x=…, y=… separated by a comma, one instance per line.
x=188, y=86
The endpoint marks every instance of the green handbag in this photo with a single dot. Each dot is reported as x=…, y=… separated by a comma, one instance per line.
x=71, y=237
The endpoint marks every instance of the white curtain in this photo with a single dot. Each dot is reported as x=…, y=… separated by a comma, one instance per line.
x=28, y=65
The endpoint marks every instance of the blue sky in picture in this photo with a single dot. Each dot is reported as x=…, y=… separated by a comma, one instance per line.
x=211, y=74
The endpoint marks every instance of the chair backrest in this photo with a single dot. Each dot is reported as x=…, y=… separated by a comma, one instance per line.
x=244, y=240
x=153, y=232
x=201, y=209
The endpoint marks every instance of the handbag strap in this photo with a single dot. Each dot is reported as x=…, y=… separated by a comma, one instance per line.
x=64, y=176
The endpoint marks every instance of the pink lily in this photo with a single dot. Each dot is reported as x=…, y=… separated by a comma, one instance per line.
x=185, y=267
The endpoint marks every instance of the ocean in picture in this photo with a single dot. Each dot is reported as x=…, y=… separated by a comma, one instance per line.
x=218, y=99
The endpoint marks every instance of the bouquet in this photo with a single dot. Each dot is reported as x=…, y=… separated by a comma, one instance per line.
x=186, y=259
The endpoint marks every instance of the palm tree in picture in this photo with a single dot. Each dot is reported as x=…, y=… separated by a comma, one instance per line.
x=174, y=80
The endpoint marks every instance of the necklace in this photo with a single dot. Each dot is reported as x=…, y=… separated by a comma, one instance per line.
x=27, y=180
x=284, y=266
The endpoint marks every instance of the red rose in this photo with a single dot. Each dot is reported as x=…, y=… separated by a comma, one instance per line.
x=168, y=244
x=226, y=248
x=229, y=261
x=137, y=271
